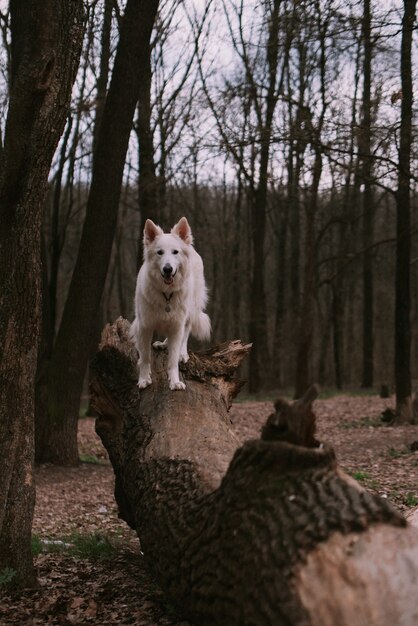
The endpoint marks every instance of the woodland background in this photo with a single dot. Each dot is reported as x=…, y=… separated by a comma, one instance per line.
x=283, y=129
x=274, y=127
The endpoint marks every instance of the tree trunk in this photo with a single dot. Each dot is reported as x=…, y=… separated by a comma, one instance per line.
x=337, y=319
x=365, y=139
x=272, y=532
x=147, y=181
x=49, y=298
x=308, y=299
x=237, y=245
x=46, y=45
x=260, y=355
x=103, y=78
x=281, y=275
x=404, y=411
x=70, y=356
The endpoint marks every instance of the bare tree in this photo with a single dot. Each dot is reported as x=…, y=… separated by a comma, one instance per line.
x=312, y=129
x=58, y=212
x=365, y=140
x=403, y=227
x=147, y=181
x=46, y=45
x=69, y=360
x=260, y=82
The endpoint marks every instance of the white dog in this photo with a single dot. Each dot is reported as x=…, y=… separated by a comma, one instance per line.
x=170, y=298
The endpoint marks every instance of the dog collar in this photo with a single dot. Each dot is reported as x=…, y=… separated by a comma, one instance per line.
x=167, y=299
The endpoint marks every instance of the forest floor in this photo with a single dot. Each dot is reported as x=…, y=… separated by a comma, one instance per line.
x=90, y=567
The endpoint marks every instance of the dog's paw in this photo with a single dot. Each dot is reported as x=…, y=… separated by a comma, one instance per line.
x=184, y=357
x=160, y=345
x=177, y=385
x=144, y=382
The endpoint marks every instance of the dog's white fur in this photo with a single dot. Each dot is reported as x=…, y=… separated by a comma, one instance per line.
x=170, y=302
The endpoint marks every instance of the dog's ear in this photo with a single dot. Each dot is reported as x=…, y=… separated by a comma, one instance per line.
x=151, y=231
x=183, y=230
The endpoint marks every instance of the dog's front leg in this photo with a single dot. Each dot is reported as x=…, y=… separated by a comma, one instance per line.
x=174, y=346
x=144, y=347
x=184, y=356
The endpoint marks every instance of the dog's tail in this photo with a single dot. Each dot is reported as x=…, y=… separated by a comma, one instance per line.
x=201, y=326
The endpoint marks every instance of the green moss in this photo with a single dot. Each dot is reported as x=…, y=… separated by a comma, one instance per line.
x=395, y=454
x=83, y=546
x=411, y=499
x=360, y=476
x=36, y=545
x=91, y=458
x=6, y=576
x=94, y=547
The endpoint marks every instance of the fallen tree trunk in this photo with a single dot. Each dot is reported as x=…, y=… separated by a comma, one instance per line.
x=272, y=532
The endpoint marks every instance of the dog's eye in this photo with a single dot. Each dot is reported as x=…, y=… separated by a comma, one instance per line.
x=175, y=251
x=160, y=252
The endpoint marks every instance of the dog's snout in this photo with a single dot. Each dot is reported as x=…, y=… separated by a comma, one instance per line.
x=167, y=269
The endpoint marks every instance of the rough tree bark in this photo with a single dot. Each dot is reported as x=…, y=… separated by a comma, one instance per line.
x=365, y=149
x=404, y=412
x=268, y=533
x=46, y=45
x=103, y=78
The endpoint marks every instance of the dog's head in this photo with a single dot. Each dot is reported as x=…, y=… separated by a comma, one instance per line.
x=167, y=253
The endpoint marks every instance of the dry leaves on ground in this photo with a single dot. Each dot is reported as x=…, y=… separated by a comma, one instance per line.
x=379, y=456
x=119, y=589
